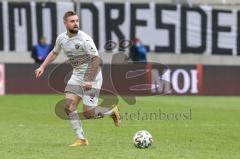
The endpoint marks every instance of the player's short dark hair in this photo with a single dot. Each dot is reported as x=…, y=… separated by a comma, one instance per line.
x=69, y=14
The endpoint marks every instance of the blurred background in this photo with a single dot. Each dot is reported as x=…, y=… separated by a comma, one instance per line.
x=198, y=42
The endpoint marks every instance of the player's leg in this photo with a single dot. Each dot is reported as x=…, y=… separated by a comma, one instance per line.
x=96, y=112
x=92, y=110
x=71, y=103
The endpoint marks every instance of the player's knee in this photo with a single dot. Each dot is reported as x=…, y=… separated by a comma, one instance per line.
x=69, y=106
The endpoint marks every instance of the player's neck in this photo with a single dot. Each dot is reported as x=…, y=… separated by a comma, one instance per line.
x=70, y=35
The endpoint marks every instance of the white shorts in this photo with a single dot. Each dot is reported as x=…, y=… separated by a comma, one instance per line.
x=89, y=97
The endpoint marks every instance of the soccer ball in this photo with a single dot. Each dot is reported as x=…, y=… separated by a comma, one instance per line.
x=142, y=139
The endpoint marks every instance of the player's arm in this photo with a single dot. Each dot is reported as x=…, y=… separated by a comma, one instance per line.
x=50, y=58
x=94, y=67
x=94, y=62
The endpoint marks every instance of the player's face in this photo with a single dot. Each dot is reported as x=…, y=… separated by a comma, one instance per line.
x=72, y=24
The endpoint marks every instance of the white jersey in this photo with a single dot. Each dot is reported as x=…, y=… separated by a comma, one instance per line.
x=78, y=49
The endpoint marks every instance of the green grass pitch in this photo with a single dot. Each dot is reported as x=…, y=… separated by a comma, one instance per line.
x=196, y=127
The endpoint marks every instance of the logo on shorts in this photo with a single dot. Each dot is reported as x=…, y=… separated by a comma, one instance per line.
x=92, y=95
x=77, y=46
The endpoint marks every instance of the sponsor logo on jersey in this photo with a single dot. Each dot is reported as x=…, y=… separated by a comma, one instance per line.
x=77, y=46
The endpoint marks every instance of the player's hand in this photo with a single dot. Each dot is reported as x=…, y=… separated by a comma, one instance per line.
x=39, y=72
x=87, y=85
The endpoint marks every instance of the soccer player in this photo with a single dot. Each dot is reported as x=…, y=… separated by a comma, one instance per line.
x=86, y=79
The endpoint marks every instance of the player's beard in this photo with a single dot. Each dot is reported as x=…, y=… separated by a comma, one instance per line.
x=73, y=31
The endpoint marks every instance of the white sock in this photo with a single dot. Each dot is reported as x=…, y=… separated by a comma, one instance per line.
x=76, y=124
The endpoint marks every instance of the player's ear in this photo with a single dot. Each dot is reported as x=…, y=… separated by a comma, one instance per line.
x=65, y=22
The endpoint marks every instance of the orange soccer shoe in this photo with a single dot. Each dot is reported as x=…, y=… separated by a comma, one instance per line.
x=116, y=115
x=79, y=142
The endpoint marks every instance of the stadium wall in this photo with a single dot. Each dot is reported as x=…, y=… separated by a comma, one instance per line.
x=152, y=79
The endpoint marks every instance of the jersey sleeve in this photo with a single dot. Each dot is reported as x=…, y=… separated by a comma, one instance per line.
x=89, y=47
x=57, y=46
